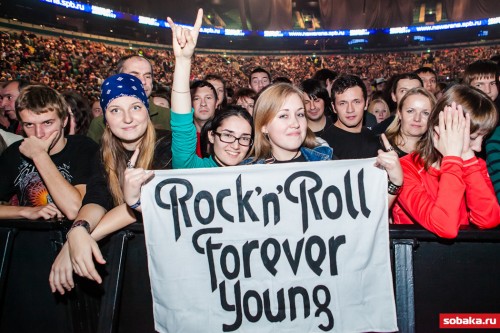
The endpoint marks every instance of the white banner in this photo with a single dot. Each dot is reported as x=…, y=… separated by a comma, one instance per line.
x=298, y=247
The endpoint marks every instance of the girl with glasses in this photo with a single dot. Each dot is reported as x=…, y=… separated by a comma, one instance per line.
x=228, y=136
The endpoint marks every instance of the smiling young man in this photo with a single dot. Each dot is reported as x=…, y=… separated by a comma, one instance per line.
x=47, y=171
x=348, y=138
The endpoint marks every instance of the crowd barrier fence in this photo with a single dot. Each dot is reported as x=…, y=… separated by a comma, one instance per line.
x=431, y=276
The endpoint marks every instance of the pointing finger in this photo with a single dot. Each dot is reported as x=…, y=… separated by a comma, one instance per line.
x=386, y=143
x=133, y=159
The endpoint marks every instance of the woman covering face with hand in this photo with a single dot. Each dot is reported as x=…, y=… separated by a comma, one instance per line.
x=130, y=146
x=229, y=133
x=446, y=185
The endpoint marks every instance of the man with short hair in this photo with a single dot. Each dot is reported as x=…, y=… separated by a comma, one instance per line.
x=483, y=75
x=429, y=78
x=141, y=68
x=204, y=102
x=348, y=138
x=9, y=94
x=46, y=170
x=400, y=85
x=220, y=87
x=259, y=79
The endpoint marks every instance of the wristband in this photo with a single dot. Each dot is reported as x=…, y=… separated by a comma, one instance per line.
x=181, y=92
x=393, y=189
x=137, y=204
x=79, y=223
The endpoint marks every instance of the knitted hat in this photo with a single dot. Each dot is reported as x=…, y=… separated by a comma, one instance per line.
x=121, y=85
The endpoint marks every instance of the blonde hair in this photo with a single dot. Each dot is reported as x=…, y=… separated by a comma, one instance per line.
x=371, y=106
x=115, y=158
x=393, y=132
x=265, y=109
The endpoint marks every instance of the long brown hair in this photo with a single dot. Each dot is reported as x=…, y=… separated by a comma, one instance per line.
x=483, y=116
x=115, y=157
x=266, y=107
x=393, y=132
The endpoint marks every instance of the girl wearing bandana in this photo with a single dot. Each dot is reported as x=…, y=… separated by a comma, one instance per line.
x=130, y=146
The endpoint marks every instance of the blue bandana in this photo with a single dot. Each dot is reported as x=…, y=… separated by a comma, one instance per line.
x=121, y=85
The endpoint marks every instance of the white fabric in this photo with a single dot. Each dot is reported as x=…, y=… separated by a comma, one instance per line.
x=10, y=138
x=349, y=290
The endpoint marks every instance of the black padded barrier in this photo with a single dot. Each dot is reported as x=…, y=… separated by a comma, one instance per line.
x=431, y=276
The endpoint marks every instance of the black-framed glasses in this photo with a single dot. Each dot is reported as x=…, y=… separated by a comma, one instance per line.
x=229, y=138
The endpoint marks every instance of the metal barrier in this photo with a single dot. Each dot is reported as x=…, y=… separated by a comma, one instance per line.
x=431, y=276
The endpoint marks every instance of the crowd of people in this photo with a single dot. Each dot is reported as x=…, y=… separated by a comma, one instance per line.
x=390, y=107
x=82, y=65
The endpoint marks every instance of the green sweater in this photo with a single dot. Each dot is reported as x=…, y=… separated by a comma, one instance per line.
x=160, y=117
x=184, y=144
x=493, y=160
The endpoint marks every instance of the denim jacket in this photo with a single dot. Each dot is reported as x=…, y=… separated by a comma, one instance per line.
x=319, y=153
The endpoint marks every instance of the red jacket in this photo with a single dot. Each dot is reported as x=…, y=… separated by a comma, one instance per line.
x=441, y=200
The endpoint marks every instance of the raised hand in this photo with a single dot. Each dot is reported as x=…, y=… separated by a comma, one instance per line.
x=449, y=135
x=389, y=160
x=134, y=178
x=183, y=39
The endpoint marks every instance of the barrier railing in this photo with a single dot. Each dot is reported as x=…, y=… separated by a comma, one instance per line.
x=431, y=276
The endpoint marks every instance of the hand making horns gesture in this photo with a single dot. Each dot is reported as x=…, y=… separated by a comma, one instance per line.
x=183, y=39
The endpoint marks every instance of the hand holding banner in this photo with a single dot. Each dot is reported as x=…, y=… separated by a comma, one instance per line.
x=299, y=247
